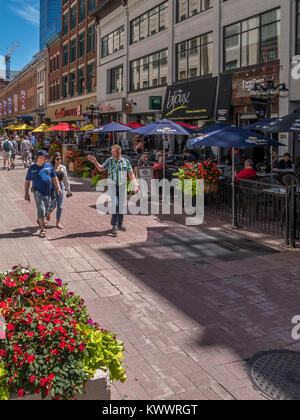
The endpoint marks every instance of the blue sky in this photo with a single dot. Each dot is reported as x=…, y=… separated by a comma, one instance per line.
x=19, y=21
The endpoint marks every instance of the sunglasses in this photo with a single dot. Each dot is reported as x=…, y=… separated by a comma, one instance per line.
x=58, y=158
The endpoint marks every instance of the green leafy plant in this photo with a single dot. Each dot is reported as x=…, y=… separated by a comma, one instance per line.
x=4, y=392
x=103, y=351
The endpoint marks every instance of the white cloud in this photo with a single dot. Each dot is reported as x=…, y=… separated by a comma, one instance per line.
x=29, y=12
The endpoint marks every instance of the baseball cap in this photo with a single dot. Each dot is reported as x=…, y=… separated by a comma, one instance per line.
x=42, y=153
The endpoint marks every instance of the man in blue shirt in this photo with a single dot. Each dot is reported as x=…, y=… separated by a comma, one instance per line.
x=41, y=174
x=34, y=144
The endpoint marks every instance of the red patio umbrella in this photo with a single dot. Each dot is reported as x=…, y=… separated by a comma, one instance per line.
x=134, y=125
x=63, y=127
x=183, y=124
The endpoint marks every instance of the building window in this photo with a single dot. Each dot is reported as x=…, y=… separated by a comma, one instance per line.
x=298, y=28
x=91, y=38
x=149, y=71
x=116, y=80
x=72, y=50
x=73, y=17
x=81, y=13
x=90, y=75
x=57, y=61
x=194, y=57
x=65, y=54
x=155, y=20
x=188, y=8
x=252, y=41
x=80, y=80
x=72, y=84
x=64, y=86
x=113, y=42
x=91, y=4
x=81, y=44
x=65, y=23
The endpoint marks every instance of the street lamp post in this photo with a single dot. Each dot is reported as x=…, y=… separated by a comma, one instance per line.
x=93, y=109
x=270, y=91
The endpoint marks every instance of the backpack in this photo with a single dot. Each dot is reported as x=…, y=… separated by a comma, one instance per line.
x=7, y=146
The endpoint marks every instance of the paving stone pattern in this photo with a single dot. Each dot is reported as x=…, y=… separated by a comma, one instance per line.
x=192, y=304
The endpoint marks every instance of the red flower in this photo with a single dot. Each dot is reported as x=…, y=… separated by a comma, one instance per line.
x=32, y=378
x=81, y=347
x=21, y=392
x=30, y=359
x=3, y=353
x=10, y=327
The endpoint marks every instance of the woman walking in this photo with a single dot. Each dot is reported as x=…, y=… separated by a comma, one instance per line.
x=57, y=200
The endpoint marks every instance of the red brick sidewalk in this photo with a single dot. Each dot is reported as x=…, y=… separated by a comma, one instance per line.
x=191, y=304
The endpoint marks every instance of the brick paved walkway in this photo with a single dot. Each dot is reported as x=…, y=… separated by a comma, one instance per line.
x=191, y=304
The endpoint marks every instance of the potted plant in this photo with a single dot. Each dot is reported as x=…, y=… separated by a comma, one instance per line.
x=52, y=347
x=207, y=170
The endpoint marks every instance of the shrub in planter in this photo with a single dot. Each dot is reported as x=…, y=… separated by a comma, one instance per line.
x=52, y=346
x=73, y=155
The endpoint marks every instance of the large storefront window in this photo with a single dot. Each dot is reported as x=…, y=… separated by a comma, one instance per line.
x=116, y=80
x=298, y=27
x=153, y=21
x=194, y=57
x=187, y=8
x=113, y=42
x=252, y=41
x=149, y=71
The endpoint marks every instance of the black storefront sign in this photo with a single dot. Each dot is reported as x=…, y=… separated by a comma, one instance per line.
x=191, y=101
x=224, y=98
x=260, y=106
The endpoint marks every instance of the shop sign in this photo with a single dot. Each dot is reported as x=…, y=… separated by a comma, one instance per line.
x=69, y=112
x=193, y=100
x=16, y=99
x=249, y=84
x=155, y=103
x=115, y=106
x=224, y=98
x=4, y=107
x=10, y=105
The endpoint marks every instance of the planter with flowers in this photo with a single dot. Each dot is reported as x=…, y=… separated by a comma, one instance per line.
x=52, y=347
x=54, y=148
x=207, y=170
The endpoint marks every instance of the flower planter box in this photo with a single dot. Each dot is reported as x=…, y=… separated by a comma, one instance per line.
x=210, y=188
x=97, y=389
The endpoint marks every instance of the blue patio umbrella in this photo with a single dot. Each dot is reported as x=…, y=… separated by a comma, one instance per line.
x=283, y=124
x=260, y=125
x=235, y=138
x=162, y=128
x=111, y=128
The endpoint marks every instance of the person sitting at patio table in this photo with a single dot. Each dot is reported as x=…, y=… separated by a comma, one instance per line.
x=188, y=156
x=144, y=160
x=248, y=172
x=275, y=160
x=286, y=162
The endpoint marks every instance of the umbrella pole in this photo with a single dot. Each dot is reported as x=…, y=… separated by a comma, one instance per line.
x=272, y=163
x=164, y=157
x=234, y=215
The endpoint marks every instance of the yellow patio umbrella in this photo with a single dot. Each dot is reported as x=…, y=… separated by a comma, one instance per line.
x=24, y=127
x=76, y=126
x=9, y=127
x=43, y=128
x=88, y=127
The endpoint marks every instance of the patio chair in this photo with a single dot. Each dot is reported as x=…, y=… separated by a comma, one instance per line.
x=251, y=195
x=270, y=180
x=260, y=167
x=288, y=180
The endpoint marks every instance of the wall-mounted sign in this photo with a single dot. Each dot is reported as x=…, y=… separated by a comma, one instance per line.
x=155, y=103
x=9, y=105
x=16, y=100
x=69, y=112
x=224, y=98
x=4, y=107
x=1, y=109
x=114, y=106
x=23, y=100
x=193, y=100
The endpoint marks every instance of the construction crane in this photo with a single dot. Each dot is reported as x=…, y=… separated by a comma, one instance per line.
x=7, y=60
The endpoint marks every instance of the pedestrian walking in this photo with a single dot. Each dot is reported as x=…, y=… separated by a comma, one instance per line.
x=56, y=199
x=25, y=148
x=34, y=145
x=118, y=169
x=42, y=175
x=14, y=152
x=6, y=148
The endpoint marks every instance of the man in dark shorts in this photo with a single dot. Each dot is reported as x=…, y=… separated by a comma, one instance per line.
x=41, y=174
